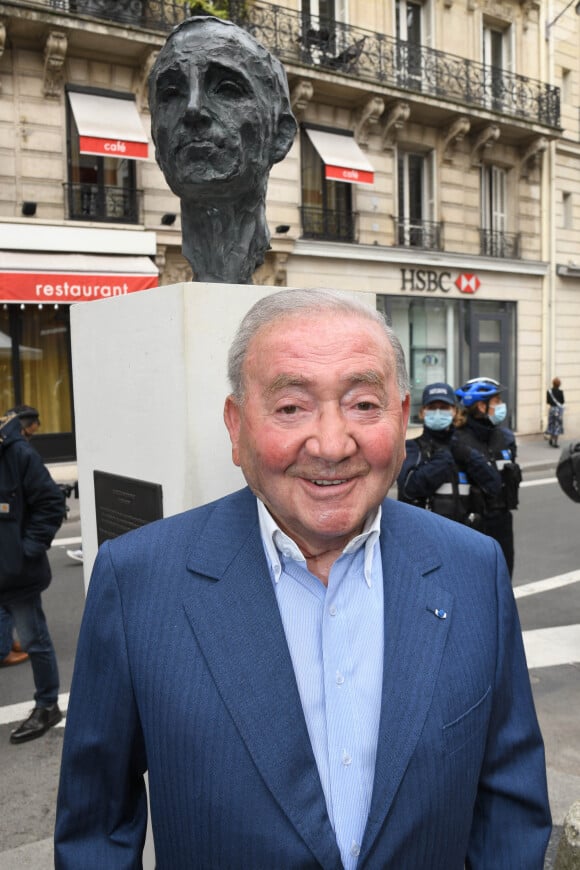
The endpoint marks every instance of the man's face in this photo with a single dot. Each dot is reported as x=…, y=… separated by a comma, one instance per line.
x=320, y=435
x=213, y=110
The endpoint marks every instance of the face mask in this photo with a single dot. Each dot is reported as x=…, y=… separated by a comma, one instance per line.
x=499, y=414
x=438, y=420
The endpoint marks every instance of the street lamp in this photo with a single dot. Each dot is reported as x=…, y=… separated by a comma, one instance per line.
x=550, y=24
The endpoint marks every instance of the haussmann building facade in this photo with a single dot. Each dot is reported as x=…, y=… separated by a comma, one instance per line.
x=436, y=164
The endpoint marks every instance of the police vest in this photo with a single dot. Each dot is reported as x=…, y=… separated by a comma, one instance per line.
x=496, y=451
x=452, y=498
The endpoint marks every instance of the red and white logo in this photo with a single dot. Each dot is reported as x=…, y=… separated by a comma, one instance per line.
x=467, y=283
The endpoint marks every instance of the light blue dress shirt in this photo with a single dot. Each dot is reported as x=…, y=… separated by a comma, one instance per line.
x=335, y=638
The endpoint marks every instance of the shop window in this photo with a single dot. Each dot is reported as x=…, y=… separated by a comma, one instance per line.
x=7, y=394
x=496, y=241
x=454, y=340
x=35, y=369
x=100, y=188
x=414, y=226
x=326, y=204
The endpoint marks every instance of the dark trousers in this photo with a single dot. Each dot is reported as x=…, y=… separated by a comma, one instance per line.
x=501, y=527
x=30, y=622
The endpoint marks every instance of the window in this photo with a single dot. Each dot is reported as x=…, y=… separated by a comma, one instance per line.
x=326, y=204
x=413, y=32
x=100, y=188
x=497, y=59
x=454, y=340
x=35, y=363
x=495, y=240
x=414, y=224
x=567, y=220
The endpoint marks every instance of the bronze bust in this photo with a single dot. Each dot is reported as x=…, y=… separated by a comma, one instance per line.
x=220, y=118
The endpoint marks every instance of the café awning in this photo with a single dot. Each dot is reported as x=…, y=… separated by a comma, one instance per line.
x=65, y=278
x=343, y=159
x=109, y=126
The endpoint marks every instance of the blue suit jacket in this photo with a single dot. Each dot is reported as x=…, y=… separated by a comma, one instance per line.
x=183, y=670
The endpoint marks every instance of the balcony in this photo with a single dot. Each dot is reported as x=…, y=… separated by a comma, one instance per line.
x=419, y=234
x=494, y=243
x=306, y=40
x=364, y=54
x=89, y=202
x=328, y=225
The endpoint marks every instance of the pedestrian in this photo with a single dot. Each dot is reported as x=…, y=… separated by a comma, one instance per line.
x=32, y=508
x=438, y=467
x=344, y=683
x=29, y=419
x=555, y=400
x=483, y=431
x=15, y=654
x=29, y=424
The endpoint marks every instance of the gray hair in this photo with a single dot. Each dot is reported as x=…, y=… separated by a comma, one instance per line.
x=285, y=303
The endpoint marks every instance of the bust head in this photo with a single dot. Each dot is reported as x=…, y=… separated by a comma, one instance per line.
x=220, y=112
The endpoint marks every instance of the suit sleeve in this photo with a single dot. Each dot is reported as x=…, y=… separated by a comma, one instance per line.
x=102, y=806
x=511, y=819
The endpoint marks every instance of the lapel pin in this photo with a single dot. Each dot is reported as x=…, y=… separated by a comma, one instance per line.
x=439, y=613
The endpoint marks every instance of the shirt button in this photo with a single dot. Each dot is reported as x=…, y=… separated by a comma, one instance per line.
x=355, y=849
x=339, y=679
x=332, y=610
x=346, y=759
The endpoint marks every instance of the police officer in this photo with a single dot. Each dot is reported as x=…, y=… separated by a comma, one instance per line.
x=439, y=469
x=486, y=411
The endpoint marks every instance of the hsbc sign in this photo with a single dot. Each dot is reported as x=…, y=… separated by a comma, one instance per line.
x=467, y=283
x=431, y=281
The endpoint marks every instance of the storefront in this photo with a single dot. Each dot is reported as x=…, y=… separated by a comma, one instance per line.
x=37, y=288
x=457, y=318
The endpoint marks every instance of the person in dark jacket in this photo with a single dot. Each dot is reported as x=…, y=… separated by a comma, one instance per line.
x=486, y=411
x=32, y=509
x=438, y=469
x=555, y=400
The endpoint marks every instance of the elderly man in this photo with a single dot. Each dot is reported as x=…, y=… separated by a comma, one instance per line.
x=221, y=118
x=333, y=691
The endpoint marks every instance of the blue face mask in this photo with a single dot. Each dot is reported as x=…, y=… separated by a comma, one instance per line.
x=499, y=414
x=438, y=420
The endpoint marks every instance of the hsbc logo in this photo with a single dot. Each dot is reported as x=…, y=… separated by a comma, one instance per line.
x=431, y=281
x=467, y=283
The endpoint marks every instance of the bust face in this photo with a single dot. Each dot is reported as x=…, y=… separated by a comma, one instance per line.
x=213, y=116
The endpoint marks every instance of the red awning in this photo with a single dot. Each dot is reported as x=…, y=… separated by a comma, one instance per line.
x=67, y=278
x=109, y=126
x=343, y=159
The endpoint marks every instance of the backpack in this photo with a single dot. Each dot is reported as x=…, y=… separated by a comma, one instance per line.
x=568, y=471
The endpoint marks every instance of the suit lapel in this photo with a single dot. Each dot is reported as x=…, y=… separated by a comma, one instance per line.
x=417, y=615
x=238, y=627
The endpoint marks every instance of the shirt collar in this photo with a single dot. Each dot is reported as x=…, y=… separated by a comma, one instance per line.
x=276, y=541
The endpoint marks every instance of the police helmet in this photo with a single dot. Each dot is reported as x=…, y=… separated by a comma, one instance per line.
x=478, y=390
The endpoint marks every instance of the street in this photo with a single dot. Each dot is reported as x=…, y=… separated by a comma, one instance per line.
x=547, y=556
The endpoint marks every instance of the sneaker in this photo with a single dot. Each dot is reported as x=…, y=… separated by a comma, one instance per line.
x=76, y=555
x=37, y=724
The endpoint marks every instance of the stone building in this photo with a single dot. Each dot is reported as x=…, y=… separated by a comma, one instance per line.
x=436, y=164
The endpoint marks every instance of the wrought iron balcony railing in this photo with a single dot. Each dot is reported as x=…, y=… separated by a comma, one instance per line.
x=90, y=202
x=499, y=244
x=419, y=234
x=328, y=225
x=297, y=37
